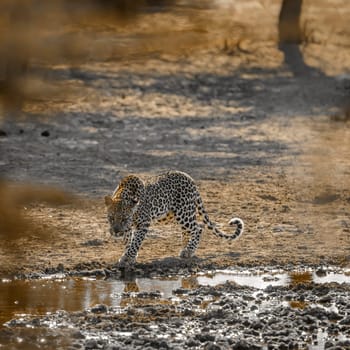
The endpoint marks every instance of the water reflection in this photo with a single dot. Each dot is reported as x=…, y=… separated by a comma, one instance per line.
x=48, y=295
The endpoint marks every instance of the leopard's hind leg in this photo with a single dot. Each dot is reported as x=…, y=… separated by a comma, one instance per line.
x=169, y=218
x=186, y=217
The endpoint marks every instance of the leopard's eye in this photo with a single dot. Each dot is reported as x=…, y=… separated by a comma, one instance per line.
x=134, y=200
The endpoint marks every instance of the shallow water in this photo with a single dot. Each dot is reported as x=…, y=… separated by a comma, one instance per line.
x=262, y=280
x=52, y=293
x=37, y=297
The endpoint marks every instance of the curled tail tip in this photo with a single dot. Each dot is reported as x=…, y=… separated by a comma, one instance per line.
x=237, y=222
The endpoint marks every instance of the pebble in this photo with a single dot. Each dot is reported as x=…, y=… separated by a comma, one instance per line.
x=99, y=308
x=91, y=344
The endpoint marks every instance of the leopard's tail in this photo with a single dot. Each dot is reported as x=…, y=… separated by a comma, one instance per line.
x=211, y=226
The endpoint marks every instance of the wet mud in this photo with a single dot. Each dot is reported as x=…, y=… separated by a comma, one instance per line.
x=266, y=308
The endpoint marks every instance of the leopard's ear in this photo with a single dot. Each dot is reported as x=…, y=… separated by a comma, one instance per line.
x=108, y=201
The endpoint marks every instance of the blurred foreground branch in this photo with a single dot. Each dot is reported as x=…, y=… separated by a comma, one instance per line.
x=14, y=198
x=37, y=33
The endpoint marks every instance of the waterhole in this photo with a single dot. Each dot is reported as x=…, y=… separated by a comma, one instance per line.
x=57, y=292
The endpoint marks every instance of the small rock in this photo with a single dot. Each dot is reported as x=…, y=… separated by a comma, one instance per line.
x=99, y=308
x=93, y=243
x=98, y=273
x=78, y=335
x=187, y=312
x=3, y=133
x=253, y=308
x=257, y=325
x=211, y=346
x=344, y=344
x=334, y=316
x=325, y=299
x=268, y=197
x=286, y=228
x=345, y=321
x=325, y=198
x=192, y=343
x=283, y=346
x=60, y=267
x=243, y=345
x=180, y=291
x=328, y=344
x=310, y=319
x=91, y=344
x=205, y=337
x=321, y=272
x=45, y=133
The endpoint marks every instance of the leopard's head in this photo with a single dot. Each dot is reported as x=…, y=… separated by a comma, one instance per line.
x=122, y=205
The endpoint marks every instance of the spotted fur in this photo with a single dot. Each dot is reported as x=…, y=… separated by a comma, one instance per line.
x=134, y=205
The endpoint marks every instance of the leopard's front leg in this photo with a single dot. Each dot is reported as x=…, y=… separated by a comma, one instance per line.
x=127, y=238
x=130, y=253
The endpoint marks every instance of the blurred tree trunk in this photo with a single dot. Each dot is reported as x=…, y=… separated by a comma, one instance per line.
x=289, y=22
x=290, y=37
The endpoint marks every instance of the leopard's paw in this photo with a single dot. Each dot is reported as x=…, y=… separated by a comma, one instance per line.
x=126, y=261
x=186, y=254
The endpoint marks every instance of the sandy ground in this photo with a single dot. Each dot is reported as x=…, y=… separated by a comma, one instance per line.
x=262, y=144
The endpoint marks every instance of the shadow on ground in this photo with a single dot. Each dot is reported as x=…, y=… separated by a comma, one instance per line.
x=202, y=123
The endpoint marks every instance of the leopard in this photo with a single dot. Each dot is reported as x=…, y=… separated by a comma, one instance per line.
x=135, y=204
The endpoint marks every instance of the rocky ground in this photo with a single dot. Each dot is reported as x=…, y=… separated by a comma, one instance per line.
x=302, y=315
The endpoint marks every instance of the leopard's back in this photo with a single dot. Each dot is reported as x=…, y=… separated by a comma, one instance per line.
x=169, y=192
